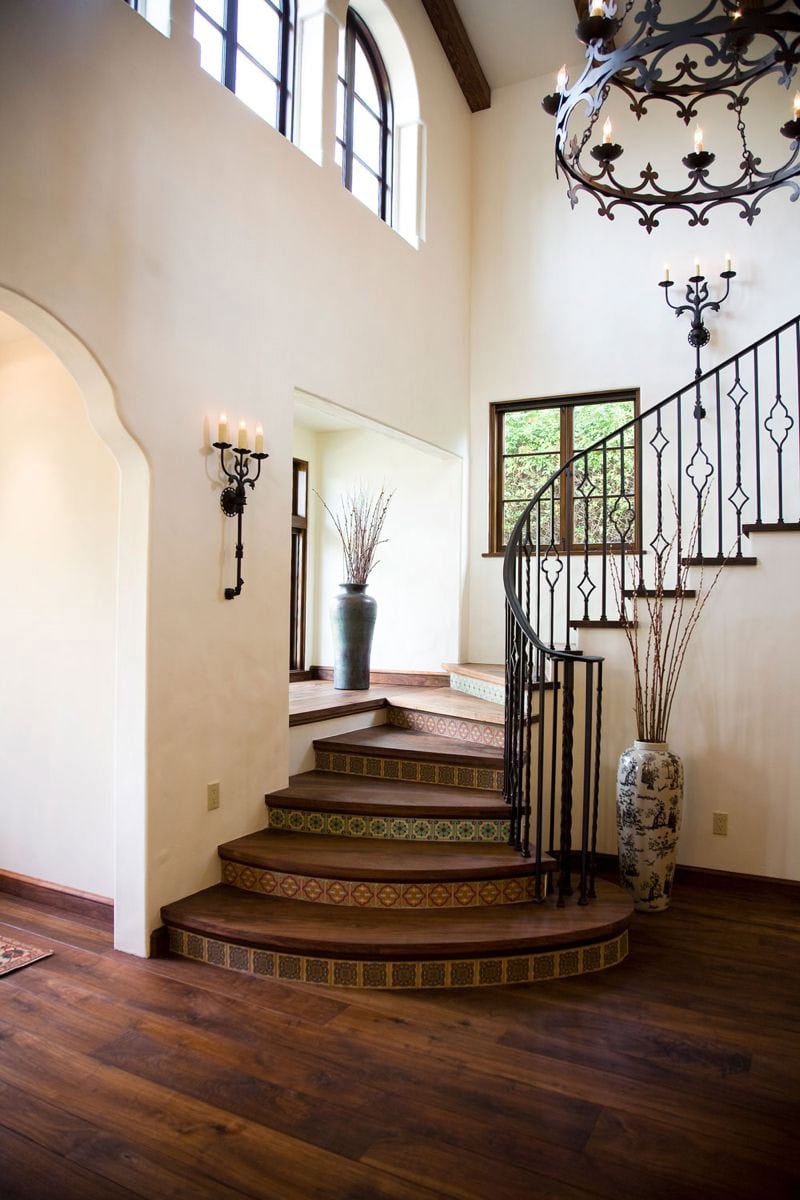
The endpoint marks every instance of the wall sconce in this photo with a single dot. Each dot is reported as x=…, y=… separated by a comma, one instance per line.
x=698, y=301
x=234, y=497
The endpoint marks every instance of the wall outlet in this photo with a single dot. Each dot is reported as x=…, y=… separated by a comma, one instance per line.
x=720, y=824
x=213, y=796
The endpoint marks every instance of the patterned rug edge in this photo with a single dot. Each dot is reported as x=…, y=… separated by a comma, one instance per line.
x=15, y=955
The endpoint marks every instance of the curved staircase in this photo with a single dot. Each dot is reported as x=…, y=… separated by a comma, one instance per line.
x=389, y=866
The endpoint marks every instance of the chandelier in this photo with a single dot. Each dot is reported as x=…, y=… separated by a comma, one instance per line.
x=714, y=61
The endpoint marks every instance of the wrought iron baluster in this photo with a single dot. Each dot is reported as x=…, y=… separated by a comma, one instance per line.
x=604, y=613
x=718, y=402
x=596, y=804
x=568, y=502
x=738, y=497
x=554, y=757
x=539, y=771
x=567, y=733
x=779, y=425
x=757, y=415
x=585, y=486
x=583, y=897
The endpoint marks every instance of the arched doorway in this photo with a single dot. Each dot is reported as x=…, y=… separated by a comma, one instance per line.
x=54, y=365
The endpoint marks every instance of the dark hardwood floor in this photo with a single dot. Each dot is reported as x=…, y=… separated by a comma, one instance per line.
x=674, y=1075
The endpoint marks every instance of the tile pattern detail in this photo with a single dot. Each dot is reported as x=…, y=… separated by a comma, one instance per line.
x=359, y=893
x=479, y=733
x=487, y=779
x=480, y=688
x=396, y=829
x=440, y=973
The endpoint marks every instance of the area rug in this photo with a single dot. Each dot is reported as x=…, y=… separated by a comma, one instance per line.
x=14, y=955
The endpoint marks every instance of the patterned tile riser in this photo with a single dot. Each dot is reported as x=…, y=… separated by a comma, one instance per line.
x=481, y=689
x=477, y=893
x=402, y=771
x=441, y=973
x=396, y=829
x=479, y=733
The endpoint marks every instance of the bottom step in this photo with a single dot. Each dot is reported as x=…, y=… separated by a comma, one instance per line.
x=368, y=948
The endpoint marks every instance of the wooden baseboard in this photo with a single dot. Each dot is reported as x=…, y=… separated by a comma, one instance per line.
x=417, y=679
x=159, y=942
x=56, y=895
x=608, y=864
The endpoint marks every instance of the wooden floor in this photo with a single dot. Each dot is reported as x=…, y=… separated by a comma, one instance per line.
x=675, y=1075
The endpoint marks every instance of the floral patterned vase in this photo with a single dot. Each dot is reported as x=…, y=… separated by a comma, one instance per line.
x=649, y=803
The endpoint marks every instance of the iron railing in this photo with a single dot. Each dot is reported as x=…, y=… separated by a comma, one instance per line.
x=682, y=484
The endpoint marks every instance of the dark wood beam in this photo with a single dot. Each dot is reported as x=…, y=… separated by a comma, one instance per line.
x=460, y=52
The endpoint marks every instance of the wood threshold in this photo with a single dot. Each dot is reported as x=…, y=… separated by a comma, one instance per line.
x=57, y=895
x=415, y=679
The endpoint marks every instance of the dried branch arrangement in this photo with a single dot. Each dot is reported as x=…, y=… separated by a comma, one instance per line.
x=359, y=523
x=658, y=662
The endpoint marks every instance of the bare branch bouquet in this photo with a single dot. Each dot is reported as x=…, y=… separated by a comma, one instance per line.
x=359, y=523
x=657, y=664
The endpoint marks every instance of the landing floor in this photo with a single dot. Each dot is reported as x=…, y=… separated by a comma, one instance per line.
x=674, y=1075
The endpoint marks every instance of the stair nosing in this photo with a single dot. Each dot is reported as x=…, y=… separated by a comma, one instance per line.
x=475, y=758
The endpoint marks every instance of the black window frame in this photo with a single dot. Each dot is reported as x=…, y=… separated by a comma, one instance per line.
x=286, y=10
x=567, y=404
x=357, y=32
x=299, y=567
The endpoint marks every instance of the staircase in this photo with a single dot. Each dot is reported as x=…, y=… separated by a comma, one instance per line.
x=711, y=466
x=389, y=866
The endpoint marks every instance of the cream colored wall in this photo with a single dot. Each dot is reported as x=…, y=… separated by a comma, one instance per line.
x=416, y=581
x=59, y=514
x=564, y=301
x=207, y=264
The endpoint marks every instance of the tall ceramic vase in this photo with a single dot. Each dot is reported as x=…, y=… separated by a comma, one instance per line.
x=649, y=805
x=353, y=618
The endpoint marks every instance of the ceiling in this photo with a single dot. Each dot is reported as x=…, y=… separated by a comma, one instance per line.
x=519, y=39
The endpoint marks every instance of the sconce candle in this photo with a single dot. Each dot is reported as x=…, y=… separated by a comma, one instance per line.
x=698, y=140
x=666, y=273
x=237, y=467
x=728, y=263
x=797, y=106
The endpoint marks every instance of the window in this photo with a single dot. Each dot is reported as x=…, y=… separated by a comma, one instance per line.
x=297, y=629
x=530, y=440
x=364, y=119
x=249, y=46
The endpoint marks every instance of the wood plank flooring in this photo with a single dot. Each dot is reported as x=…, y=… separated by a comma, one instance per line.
x=675, y=1075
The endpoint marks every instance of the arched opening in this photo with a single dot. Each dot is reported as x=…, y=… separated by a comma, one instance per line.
x=73, y=530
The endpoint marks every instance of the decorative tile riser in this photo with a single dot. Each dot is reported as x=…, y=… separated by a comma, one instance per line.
x=440, y=973
x=495, y=693
x=404, y=771
x=358, y=893
x=396, y=829
x=479, y=733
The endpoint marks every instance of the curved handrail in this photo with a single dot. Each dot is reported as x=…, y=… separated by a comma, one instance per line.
x=743, y=459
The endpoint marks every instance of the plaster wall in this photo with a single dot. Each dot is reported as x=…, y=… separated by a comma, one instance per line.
x=417, y=577
x=564, y=302
x=59, y=514
x=208, y=264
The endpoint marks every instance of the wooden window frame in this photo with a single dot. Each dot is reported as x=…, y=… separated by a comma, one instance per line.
x=299, y=568
x=357, y=31
x=567, y=404
x=286, y=10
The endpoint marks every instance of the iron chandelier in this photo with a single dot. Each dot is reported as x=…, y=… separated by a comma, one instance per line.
x=720, y=55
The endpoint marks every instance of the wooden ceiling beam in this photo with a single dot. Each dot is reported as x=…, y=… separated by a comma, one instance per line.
x=460, y=52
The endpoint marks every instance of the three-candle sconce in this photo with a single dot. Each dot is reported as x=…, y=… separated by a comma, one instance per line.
x=238, y=469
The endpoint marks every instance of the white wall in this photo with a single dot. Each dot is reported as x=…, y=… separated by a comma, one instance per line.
x=417, y=580
x=208, y=264
x=564, y=301
x=59, y=513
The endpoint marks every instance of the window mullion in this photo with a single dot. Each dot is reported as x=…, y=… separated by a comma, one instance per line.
x=349, y=106
x=231, y=32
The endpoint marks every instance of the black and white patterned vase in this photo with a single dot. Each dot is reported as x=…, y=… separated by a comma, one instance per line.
x=649, y=805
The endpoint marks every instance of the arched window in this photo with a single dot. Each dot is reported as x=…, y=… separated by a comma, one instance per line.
x=249, y=46
x=364, y=119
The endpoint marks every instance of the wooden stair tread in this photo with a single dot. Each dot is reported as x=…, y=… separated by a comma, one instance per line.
x=326, y=791
x=387, y=741
x=271, y=923
x=448, y=702
x=486, y=672
x=377, y=859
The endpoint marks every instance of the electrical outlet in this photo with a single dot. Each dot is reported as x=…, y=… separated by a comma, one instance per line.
x=213, y=796
x=720, y=824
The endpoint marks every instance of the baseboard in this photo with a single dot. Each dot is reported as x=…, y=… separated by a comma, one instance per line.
x=56, y=895
x=418, y=679
x=607, y=864
x=159, y=942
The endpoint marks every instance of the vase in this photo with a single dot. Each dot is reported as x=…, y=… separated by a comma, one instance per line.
x=649, y=805
x=353, y=618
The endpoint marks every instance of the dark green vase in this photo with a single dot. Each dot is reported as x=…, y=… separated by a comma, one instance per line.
x=353, y=618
